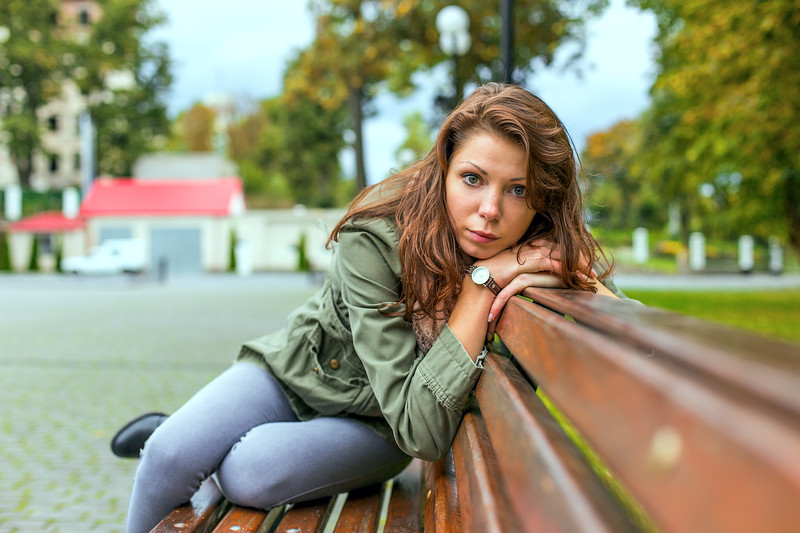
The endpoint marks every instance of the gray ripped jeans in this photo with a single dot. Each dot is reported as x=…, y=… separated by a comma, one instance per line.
x=241, y=427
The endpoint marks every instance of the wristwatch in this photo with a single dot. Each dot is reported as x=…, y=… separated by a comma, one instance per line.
x=480, y=276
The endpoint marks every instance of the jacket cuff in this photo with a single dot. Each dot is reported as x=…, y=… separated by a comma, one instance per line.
x=449, y=371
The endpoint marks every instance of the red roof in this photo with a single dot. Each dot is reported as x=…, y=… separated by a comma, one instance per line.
x=129, y=197
x=46, y=222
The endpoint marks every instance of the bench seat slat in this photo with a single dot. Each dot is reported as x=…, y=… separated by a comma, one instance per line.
x=361, y=511
x=246, y=520
x=675, y=443
x=200, y=515
x=403, y=514
x=307, y=517
x=442, y=514
x=484, y=504
x=550, y=485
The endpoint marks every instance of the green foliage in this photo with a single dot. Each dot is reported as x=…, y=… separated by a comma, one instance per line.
x=620, y=195
x=723, y=118
x=37, y=201
x=43, y=47
x=288, y=153
x=193, y=130
x=362, y=46
x=59, y=253
x=303, y=264
x=127, y=119
x=33, y=263
x=418, y=142
x=232, y=253
x=772, y=313
x=31, y=70
x=5, y=258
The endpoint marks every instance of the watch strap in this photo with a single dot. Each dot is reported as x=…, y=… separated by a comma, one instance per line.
x=490, y=283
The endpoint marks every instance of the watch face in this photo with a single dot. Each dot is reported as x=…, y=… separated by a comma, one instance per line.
x=480, y=275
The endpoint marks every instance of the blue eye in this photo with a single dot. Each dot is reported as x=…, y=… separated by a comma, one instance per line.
x=518, y=190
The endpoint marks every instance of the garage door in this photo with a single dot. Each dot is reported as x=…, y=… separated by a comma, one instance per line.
x=179, y=247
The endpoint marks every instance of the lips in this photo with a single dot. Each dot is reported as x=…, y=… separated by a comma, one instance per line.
x=482, y=237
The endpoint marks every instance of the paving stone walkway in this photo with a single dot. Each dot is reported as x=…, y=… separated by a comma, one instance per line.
x=79, y=357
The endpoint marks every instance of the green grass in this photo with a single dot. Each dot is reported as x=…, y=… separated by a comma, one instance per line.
x=771, y=313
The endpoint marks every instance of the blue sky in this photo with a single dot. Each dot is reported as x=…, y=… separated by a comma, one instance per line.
x=240, y=47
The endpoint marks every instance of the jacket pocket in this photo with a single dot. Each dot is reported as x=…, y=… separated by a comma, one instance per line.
x=338, y=382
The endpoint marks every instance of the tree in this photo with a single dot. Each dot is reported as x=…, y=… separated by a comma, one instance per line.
x=418, y=142
x=724, y=109
x=197, y=128
x=288, y=152
x=32, y=67
x=41, y=50
x=126, y=81
x=362, y=46
x=619, y=195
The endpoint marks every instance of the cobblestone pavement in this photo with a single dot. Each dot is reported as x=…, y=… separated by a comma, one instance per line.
x=79, y=357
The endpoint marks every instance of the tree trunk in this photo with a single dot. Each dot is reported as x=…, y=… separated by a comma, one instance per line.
x=791, y=205
x=24, y=164
x=355, y=102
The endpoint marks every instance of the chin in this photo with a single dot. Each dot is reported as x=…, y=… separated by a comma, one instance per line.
x=480, y=252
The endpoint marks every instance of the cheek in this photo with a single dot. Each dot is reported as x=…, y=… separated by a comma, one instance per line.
x=522, y=221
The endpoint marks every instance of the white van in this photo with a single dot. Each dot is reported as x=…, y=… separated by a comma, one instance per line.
x=113, y=256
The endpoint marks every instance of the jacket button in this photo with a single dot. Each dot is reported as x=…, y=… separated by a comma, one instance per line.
x=334, y=364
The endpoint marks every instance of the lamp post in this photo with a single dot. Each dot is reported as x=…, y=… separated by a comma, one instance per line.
x=507, y=39
x=452, y=23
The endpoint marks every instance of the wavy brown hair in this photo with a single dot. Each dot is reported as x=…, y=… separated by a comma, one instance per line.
x=432, y=262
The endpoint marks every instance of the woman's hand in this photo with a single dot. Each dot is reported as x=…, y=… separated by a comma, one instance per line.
x=536, y=264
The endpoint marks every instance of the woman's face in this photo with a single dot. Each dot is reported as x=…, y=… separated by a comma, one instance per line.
x=486, y=195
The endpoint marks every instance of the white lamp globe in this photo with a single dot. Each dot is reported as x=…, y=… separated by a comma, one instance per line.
x=452, y=19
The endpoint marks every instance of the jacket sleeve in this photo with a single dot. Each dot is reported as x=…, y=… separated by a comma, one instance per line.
x=421, y=396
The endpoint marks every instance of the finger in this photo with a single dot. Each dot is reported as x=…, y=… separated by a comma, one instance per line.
x=491, y=329
x=520, y=283
x=544, y=264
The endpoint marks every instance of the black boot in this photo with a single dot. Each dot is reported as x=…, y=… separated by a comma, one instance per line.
x=129, y=441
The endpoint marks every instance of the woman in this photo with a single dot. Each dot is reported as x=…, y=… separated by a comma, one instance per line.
x=378, y=366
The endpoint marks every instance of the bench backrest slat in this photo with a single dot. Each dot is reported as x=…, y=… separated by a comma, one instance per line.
x=551, y=486
x=764, y=370
x=485, y=506
x=675, y=442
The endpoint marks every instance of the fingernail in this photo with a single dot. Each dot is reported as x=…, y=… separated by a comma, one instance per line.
x=491, y=317
x=594, y=273
x=583, y=276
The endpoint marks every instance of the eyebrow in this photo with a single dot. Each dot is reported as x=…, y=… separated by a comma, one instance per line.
x=482, y=171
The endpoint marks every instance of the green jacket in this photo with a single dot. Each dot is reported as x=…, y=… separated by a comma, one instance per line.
x=339, y=354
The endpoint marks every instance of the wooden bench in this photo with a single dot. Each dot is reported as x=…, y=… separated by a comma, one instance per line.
x=644, y=420
x=395, y=505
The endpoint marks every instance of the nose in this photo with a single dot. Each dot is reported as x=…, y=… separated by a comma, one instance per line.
x=490, y=205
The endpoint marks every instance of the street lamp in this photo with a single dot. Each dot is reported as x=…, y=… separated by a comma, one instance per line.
x=452, y=23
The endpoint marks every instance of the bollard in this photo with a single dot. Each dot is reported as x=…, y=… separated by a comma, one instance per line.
x=70, y=202
x=775, y=256
x=244, y=258
x=13, y=202
x=746, y=261
x=641, y=247
x=697, y=251
x=163, y=269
